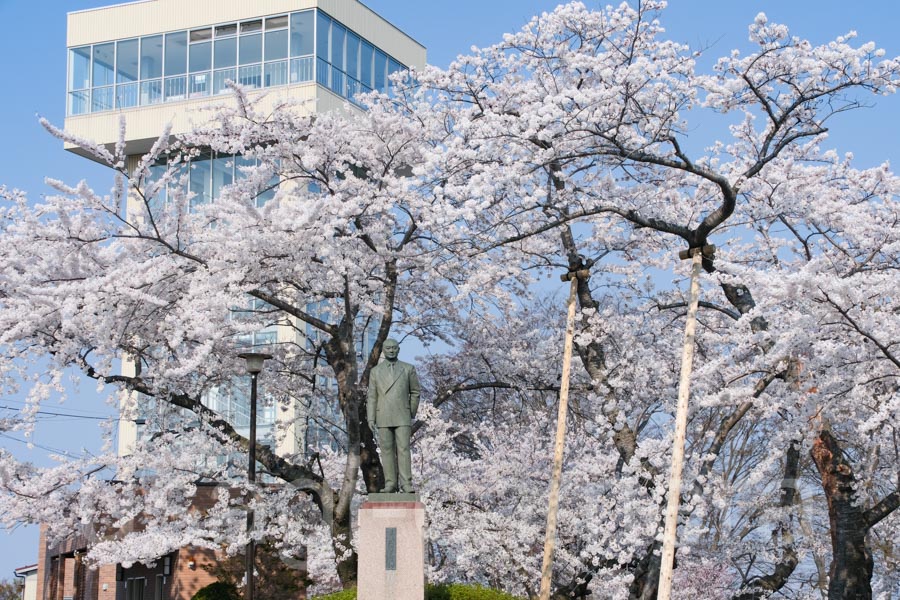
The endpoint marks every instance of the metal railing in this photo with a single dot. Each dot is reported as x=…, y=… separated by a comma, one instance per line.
x=197, y=85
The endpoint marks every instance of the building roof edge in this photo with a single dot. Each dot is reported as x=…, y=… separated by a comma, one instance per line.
x=104, y=7
x=25, y=569
x=386, y=20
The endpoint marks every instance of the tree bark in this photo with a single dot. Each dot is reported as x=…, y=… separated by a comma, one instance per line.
x=851, y=569
x=645, y=585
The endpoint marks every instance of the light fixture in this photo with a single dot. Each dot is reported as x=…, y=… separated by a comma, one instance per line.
x=255, y=361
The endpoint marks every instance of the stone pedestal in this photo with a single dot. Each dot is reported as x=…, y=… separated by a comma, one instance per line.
x=391, y=548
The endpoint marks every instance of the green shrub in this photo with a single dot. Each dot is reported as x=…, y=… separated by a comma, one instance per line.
x=342, y=595
x=459, y=591
x=217, y=591
x=444, y=591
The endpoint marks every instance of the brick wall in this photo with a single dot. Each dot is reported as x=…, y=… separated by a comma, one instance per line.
x=187, y=579
x=43, y=563
x=107, y=586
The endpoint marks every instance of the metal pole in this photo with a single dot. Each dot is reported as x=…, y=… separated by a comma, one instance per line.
x=553, y=508
x=681, y=414
x=251, y=477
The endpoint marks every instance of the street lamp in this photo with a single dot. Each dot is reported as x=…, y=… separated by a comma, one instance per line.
x=255, y=362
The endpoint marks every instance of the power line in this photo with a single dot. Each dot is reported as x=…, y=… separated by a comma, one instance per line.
x=74, y=416
x=23, y=403
x=36, y=445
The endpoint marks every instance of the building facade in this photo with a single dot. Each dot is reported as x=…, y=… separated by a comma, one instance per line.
x=27, y=577
x=160, y=62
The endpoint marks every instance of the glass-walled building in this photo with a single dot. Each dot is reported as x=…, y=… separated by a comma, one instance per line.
x=260, y=52
x=159, y=62
x=164, y=62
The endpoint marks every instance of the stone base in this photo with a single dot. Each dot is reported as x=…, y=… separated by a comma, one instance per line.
x=391, y=548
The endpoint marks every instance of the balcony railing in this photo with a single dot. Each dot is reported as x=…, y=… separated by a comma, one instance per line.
x=195, y=85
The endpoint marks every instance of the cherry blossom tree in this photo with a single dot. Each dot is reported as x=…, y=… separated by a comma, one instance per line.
x=572, y=139
x=568, y=145
x=337, y=255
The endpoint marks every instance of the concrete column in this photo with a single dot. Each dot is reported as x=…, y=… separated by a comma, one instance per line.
x=391, y=548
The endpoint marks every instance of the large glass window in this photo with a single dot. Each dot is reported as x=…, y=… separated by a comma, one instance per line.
x=250, y=49
x=224, y=58
x=323, y=36
x=200, y=62
x=201, y=181
x=225, y=53
x=151, y=57
x=176, y=53
x=208, y=174
x=380, y=81
x=338, y=34
x=393, y=67
x=276, y=45
x=176, y=65
x=80, y=68
x=352, y=55
x=222, y=174
x=127, y=61
x=126, y=73
x=302, y=33
x=104, y=61
x=201, y=57
x=366, y=56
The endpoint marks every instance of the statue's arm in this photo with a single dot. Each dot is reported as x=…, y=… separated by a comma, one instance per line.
x=415, y=390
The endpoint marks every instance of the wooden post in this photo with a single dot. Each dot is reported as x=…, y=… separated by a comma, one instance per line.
x=553, y=508
x=681, y=415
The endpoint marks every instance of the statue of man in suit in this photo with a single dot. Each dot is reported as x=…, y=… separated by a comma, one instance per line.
x=391, y=407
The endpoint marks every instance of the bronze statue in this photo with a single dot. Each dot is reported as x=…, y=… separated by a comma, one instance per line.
x=391, y=407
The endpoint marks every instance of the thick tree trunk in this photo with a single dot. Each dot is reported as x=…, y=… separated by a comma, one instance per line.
x=645, y=585
x=341, y=357
x=850, y=574
x=347, y=559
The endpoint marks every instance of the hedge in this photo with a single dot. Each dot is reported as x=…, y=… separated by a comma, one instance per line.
x=217, y=591
x=444, y=591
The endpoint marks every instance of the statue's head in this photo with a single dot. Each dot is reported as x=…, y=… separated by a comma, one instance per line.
x=390, y=349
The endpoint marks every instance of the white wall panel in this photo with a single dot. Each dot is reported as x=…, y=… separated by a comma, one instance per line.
x=159, y=16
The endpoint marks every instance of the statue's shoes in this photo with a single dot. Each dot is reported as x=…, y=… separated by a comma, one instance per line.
x=408, y=491
x=388, y=491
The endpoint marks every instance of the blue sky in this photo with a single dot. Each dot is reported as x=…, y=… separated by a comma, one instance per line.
x=34, y=58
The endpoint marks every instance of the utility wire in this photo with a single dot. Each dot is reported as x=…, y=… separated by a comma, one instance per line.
x=41, y=446
x=56, y=414
x=23, y=403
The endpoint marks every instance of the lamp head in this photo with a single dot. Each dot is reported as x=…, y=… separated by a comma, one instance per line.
x=255, y=361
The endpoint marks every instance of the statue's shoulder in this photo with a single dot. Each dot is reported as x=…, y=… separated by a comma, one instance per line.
x=407, y=366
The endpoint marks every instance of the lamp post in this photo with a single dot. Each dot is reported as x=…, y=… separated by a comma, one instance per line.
x=255, y=362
